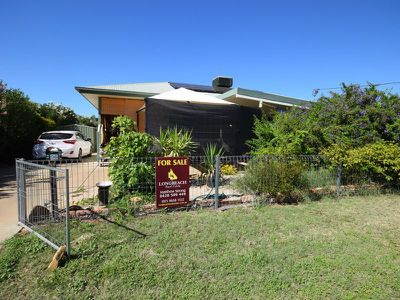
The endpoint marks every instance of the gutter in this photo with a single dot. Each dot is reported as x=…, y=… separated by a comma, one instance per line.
x=86, y=90
x=265, y=100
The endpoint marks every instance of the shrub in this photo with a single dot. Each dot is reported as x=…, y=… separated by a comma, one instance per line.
x=380, y=161
x=280, y=178
x=228, y=169
x=127, y=172
x=352, y=118
x=210, y=152
x=174, y=142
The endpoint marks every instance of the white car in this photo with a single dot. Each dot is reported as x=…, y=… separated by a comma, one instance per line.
x=71, y=143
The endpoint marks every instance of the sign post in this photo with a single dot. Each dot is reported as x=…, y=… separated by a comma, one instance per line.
x=172, y=181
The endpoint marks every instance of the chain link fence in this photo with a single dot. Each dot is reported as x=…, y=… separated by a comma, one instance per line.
x=48, y=191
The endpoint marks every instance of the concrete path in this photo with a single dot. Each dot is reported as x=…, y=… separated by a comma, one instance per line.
x=8, y=203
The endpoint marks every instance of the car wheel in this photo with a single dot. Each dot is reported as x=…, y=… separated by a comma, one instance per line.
x=80, y=155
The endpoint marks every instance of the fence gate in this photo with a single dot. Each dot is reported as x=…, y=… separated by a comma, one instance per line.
x=43, y=202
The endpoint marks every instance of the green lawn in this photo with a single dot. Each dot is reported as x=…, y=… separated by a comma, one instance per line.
x=341, y=249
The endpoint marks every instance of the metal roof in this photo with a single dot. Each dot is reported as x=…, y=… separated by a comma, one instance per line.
x=239, y=96
x=194, y=87
x=257, y=96
x=146, y=87
x=130, y=90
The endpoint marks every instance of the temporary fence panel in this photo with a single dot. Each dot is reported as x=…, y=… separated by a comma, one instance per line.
x=47, y=189
x=84, y=179
x=43, y=202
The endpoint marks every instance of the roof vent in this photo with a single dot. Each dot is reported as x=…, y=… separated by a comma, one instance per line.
x=222, y=84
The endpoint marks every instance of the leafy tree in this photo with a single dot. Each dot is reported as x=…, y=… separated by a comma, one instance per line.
x=357, y=117
x=352, y=118
x=88, y=121
x=358, y=129
x=20, y=123
x=61, y=115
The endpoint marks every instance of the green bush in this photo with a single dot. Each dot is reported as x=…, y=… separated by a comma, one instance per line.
x=228, y=169
x=280, y=178
x=351, y=118
x=127, y=171
x=380, y=161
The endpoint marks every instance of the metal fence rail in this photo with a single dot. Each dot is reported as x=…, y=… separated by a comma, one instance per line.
x=43, y=202
x=271, y=177
x=83, y=179
x=215, y=180
x=47, y=189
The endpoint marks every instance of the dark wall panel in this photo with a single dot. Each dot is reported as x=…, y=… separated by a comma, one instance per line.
x=226, y=125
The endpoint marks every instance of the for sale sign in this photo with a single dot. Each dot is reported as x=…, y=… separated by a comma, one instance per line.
x=172, y=181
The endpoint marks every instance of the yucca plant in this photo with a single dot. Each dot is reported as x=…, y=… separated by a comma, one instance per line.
x=174, y=142
x=208, y=165
x=210, y=152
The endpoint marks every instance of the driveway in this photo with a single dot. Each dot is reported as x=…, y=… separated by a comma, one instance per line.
x=8, y=202
x=83, y=179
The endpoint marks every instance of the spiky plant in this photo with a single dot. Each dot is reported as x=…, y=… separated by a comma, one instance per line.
x=174, y=142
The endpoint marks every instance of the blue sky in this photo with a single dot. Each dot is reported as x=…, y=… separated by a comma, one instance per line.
x=285, y=47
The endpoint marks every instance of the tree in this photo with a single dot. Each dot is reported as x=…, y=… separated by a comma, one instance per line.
x=20, y=123
x=357, y=129
x=353, y=118
x=60, y=114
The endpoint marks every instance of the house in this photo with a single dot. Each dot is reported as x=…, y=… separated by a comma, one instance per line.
x=217, y=113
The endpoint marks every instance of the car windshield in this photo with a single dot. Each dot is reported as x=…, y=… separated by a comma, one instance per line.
x=55, y=136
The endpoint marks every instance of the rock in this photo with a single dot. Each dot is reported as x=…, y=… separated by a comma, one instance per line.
x=273, y=201
x=38, y=214
x=23, y=231
x=150, y=207
x=75, y=207
x=100, y=209
x=136, y=199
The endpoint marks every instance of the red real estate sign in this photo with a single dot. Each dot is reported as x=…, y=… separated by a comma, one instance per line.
x=172, y=181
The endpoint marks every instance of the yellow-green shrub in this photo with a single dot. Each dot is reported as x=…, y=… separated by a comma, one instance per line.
x=228, y=169
x=380, y=160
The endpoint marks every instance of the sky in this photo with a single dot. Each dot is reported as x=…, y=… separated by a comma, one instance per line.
x=284, y=47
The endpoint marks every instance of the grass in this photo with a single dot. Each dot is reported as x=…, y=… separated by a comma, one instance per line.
x=335, y=249
x=320, y=177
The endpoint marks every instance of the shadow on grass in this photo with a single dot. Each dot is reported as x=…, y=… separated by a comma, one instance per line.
x=141, y=234
x=74, y=256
